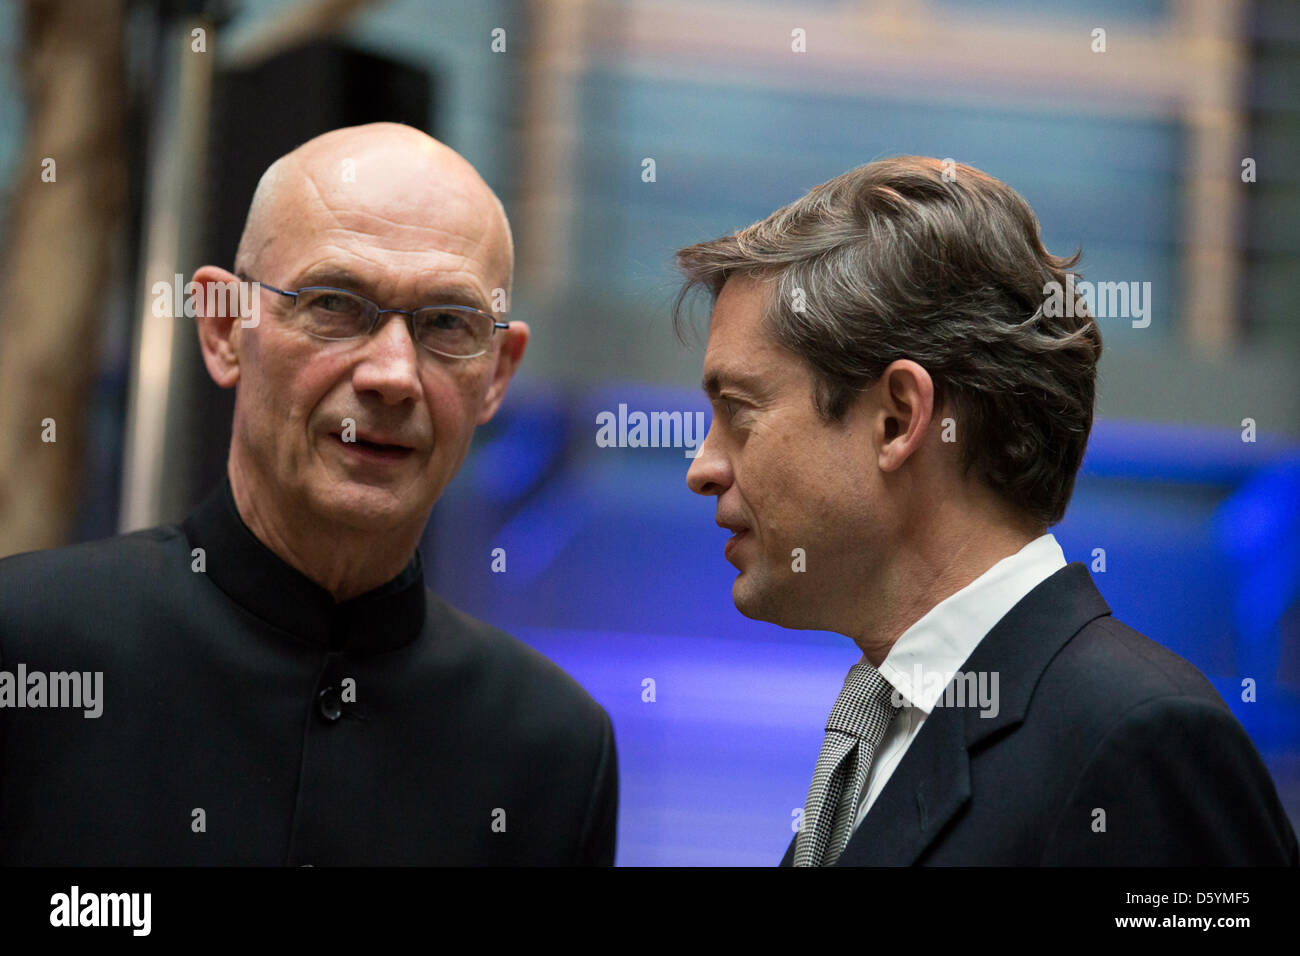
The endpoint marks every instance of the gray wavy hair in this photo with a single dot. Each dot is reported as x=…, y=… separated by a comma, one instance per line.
x=940, y=263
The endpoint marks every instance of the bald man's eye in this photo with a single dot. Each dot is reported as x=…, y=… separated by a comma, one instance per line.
x=334, y=315
x=444, y=322
x=454, y=331
x=333, y=302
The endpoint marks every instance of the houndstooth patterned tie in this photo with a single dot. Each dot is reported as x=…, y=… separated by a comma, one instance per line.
x=854, y=729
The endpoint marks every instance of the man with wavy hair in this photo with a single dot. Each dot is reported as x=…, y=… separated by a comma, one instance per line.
x=899, y=414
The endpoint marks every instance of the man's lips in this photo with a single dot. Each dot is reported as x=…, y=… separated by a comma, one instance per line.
x=738, y=534
x=735, y=527
x=376, y=447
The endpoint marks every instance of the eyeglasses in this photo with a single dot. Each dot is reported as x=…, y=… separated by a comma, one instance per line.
x=456, y=331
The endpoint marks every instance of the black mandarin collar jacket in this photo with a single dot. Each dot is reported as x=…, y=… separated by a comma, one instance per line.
x=247, y=719
x=388, y=617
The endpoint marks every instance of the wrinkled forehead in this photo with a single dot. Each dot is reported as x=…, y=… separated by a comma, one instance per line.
x=409, y=201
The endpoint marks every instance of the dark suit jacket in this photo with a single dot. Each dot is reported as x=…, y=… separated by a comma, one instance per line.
x=1093, y=716
x=387, y=729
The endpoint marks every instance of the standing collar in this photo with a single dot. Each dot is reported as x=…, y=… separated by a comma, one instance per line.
x=927, y=654
x=259, y=580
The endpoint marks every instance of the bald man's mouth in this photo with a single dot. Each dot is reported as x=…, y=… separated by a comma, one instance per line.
x=375, y=448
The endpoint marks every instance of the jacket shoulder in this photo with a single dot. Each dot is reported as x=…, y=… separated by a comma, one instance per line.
x=1176, y=782
x=1104, y=672
x=1153, y=745
x=508, y=667
x=1109, y=667
x=79, y=588
x=87, y=557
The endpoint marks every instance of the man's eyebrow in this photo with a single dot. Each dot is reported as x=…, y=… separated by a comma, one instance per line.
x=337, y=276
x=715, y=382
x=341, y=277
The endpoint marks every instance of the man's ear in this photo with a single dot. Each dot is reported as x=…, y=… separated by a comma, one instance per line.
x=219, y=334
x=906, y=409
x=513, y=342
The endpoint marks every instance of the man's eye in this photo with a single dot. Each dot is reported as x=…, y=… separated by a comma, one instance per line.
x=330, y=302
x=448, y=322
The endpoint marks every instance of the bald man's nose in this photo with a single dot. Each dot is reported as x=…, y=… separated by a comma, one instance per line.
x=391, y=366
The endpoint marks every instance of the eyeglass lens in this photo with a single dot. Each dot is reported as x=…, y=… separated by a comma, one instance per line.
x=452, y=330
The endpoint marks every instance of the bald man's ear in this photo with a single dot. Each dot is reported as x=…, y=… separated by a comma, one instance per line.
x=513, y=342
x=218, y=333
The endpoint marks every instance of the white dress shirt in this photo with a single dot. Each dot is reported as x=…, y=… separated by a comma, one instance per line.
x=941, y=641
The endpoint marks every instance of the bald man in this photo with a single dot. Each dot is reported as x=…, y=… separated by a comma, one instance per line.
x=270, y=682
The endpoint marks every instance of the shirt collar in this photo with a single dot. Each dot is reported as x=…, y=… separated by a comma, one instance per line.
x=256, y=578
x=926, y=655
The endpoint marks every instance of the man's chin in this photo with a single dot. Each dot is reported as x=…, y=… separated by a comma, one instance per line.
x=760, y=602
x=367, y=507
x=751, y=599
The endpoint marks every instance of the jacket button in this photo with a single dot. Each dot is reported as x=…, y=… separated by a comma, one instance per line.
x=330, y=703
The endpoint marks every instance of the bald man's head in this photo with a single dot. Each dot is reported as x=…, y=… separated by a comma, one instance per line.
x=340, y=446
x=386, y=169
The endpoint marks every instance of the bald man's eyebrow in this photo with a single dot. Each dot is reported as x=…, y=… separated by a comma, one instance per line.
x=336, y=276
x=341, y=277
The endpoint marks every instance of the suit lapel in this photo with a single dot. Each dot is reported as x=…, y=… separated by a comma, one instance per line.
x=932, y=782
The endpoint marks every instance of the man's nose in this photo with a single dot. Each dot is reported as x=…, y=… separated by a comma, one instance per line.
x=391, y=366
x=710, y=472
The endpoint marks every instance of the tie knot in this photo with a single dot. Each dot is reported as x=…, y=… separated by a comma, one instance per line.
x=864, y=707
